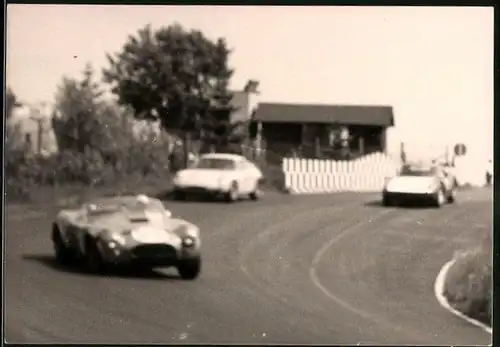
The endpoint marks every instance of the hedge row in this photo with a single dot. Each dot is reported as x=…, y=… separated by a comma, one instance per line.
x=24, y=172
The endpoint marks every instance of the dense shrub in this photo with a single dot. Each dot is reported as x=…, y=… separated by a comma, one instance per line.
x=468, y=284
x=99, y=144
x=25, y=172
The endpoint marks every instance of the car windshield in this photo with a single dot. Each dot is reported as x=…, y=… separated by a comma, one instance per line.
x=215, y=164
x=418, y=170
x=112, y=205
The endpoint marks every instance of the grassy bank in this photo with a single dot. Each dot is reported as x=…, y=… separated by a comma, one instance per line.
x=468, y=285
x=60, y=195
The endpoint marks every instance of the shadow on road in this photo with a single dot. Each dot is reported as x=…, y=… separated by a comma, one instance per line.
x=50, y=262
x=168, y=195
x=411, y=206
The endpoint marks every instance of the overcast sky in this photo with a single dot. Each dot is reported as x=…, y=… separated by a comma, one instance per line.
x=433, y=65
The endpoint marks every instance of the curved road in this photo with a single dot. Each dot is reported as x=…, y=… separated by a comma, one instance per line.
x=332, y=269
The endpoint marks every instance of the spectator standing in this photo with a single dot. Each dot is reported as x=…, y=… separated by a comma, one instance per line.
x=489, y=173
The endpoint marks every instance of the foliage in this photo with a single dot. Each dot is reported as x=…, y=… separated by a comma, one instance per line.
x=220, y=133
x=469, y=284
x=176, y=77
x=13, y=136
x=24, y=172
x=98, y=144
x=77, y=120
x=171, y=75
x=11, y=102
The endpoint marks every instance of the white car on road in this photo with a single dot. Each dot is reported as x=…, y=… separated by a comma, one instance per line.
x=219, y=174
x=431, y=183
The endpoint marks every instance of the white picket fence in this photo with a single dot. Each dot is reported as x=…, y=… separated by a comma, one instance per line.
x=366, y=174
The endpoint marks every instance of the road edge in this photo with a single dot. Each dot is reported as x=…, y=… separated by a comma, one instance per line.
x=439, y=287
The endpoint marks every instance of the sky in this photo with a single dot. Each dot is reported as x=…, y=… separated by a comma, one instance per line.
x=433, y=65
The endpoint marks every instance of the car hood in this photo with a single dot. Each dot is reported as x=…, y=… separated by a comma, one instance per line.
x=412, y=184
x=142, y=227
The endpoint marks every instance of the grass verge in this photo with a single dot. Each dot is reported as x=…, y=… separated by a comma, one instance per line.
x=70, y=194
x=468, y=284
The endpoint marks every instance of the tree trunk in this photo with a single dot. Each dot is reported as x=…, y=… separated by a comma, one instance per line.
x=187, y=148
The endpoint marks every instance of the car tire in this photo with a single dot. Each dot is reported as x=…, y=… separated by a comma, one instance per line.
x=179, y=196
x=439, y=198
x=256, y=194
x=93, y=258
x=62, y=253
x=189, y=269
x=386, y=201
x=451, y=198
x=233, y=194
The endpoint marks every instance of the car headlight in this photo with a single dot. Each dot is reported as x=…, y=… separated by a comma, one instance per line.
x=116, y=239
x=188, y=241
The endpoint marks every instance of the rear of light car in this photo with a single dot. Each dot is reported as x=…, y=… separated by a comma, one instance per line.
x=176, y=179
x=387, y=180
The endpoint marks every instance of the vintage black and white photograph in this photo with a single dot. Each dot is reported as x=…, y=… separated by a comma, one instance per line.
x=248, y=175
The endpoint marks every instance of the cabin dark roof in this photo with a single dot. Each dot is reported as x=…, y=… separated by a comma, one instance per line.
x=310, y=113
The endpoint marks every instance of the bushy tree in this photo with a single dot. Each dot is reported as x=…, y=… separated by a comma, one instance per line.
x=76, y=122
x=220, y=133
x=12, y=134
x=218, y=127
x=83, y=121
x=172, y=75
x=11, y=102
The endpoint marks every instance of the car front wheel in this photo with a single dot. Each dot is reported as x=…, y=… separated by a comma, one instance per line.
x=93, y=258
x=63, y=254
x=386, y=201
x=256, y=193
x=179, y=195
x=190, y=269
x=439, y=198
x=451, y=198
x=233, y=194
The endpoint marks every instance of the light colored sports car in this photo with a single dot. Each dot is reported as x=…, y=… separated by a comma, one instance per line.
x=126, y=231
x=420, y=182
x=219, y=174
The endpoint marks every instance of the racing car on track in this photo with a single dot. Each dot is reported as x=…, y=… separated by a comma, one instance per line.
x=130, y=231
x=420, y=182
x=219, y=174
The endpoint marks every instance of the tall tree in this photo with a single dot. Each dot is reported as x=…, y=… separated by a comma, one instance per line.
x=218, y=127
x=172, y=75
x=13, y=134
x=81, y=119
x=11, y=103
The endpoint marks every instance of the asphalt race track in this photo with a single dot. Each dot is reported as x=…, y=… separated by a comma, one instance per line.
x=331, y=269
